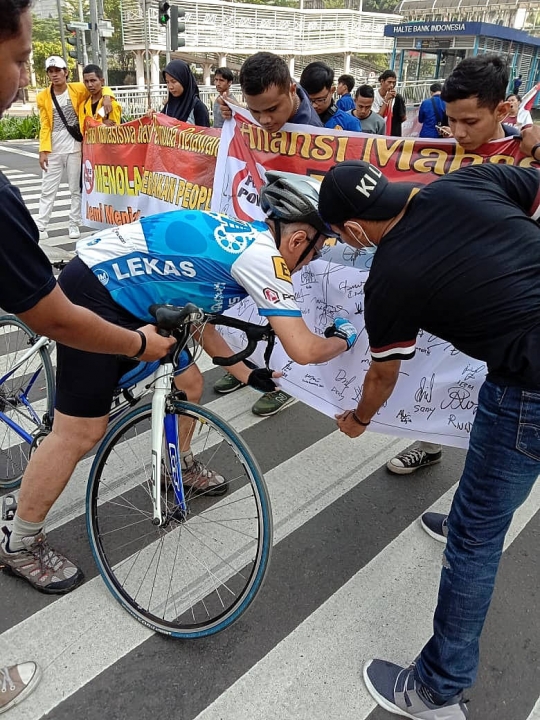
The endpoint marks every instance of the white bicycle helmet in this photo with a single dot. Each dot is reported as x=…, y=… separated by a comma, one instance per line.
x=293, y=198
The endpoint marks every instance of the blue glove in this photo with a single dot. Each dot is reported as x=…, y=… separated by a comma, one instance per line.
x=342, y=329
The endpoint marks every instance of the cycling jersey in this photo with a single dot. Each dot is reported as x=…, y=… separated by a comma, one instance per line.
x=182, y=256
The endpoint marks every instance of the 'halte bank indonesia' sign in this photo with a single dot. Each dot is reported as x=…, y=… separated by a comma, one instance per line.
x=432, y=28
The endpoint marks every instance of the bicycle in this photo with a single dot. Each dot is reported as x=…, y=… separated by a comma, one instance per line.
x=26, y=396
x=182, y=565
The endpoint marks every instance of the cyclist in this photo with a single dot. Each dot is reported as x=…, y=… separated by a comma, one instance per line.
x=181, y=256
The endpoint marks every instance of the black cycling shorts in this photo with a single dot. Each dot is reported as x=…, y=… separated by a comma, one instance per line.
x=85, y=381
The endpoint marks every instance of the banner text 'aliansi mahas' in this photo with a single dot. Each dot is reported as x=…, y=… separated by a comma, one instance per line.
x=405, y=155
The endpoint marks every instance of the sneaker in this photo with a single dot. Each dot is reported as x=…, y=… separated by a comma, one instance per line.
x=46, y=570
x=43, y=235
x=412, y=460
x=271, y=403
x=74, y=232
x=395, y=689
x=436, y=525
x=200, y=480
x=227, y=384
x=18, y=681
x=9, y=507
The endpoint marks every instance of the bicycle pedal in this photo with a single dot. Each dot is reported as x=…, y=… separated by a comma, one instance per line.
x=9, y=507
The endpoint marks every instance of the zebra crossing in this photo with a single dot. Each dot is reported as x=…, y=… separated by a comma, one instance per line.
x=352, y=576
x=57, y=246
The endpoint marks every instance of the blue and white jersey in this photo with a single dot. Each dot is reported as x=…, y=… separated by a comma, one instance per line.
x=182, y=256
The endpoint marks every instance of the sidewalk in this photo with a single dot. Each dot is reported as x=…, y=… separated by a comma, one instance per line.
x=19, y=109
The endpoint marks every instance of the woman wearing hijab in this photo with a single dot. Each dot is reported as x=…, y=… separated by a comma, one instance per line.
x=183, y=102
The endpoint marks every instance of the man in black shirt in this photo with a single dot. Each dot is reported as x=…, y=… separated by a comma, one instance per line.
x=475, y=95
x=479, y=289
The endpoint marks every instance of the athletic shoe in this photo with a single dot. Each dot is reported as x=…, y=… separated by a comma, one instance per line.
x=46, y=570
x=43, y=235
x=18, y=681
x=271, y=403
x=412, y=460
x=436, y=525
x=395, y=689
x=9, y=507
x=227, y=384
x=200, y=480
x=74, y=232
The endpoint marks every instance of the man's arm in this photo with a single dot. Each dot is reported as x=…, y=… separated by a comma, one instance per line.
x=303, y=346
x=378, y=385
x=56, y=317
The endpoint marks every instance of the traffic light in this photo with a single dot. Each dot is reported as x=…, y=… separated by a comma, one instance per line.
x=74, y=40
x=177, y=28
x=163, y=15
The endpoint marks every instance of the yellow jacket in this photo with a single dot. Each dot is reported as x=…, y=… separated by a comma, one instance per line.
x=77, y=93
x=86, y=111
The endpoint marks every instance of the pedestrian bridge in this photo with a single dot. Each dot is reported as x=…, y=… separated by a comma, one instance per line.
x=218, y=30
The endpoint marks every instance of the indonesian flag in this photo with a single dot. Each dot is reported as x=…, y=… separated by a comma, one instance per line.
x=528, y=99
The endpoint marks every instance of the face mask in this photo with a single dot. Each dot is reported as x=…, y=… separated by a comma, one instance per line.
x=372, y=247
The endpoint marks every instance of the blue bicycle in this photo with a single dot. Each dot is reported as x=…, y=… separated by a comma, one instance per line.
x=180, y=561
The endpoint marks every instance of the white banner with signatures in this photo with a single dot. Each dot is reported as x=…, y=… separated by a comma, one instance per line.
x=436, y=396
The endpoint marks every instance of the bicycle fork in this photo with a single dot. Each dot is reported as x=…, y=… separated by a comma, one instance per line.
x=165, y=425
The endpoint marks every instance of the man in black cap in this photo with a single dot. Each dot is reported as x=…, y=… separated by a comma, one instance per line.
x=480, y=290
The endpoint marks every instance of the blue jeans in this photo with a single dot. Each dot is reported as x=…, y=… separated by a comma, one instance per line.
x=502, y=465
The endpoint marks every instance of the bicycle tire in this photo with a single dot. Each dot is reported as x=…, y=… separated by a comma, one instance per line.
x=35, y=376
x=234, y=549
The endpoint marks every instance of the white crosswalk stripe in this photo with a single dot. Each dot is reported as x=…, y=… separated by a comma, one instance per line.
x=30, y=186
x=353, y=576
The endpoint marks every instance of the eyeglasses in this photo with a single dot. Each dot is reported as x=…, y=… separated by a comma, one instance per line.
x=320, y=100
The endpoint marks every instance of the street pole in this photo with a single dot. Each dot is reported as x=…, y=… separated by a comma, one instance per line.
x=102, y=42
x=94, y=35
x=61, y=24
x=83, y=34
x=145, y=4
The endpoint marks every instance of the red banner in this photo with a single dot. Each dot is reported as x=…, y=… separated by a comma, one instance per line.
x=247, y=150
x=144, y=167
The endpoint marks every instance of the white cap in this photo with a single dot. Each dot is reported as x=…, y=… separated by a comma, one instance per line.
x=55, y=61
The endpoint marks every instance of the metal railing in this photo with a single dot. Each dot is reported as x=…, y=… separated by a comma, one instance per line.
x=134, y=99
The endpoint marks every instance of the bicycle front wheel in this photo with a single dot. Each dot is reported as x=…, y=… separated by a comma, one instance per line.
x=26, y=397
x=196, y=575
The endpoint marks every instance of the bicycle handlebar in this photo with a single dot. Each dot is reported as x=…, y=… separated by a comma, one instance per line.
x=170, y=318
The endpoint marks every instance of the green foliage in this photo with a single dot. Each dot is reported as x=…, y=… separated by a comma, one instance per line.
x=17, y=128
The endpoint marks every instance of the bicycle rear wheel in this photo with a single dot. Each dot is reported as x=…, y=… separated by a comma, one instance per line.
x=26, y=397
x=191, y=577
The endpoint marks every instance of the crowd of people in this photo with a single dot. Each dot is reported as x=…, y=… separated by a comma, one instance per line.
x=489, y=310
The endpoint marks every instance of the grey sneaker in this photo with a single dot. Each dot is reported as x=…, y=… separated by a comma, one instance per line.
x=436, y=525
x=17, y=682
x=46, y=570
x=200, y=480
x=395, y=689
x=271, y=403
x=9, y=507
x=412, y=460
x=227, y=384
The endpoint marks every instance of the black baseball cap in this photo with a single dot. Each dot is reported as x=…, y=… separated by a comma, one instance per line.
x=355, y=188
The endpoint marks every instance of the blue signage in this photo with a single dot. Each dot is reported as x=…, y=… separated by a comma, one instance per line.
x=432, y=27
x=440, y=28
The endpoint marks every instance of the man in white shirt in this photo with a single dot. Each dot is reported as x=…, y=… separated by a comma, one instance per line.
x=60, y=142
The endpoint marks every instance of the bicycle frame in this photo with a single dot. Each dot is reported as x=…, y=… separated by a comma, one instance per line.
x=42, y=342
x=165, y=421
